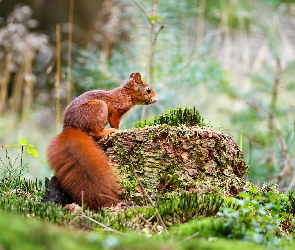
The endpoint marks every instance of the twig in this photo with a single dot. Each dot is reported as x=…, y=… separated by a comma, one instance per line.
x=292, y=183
x=28, y=82
x=131, y=207
x=57, y=82
x=152, y=42
x=146, y=221
x=69, y=61
x=82, y=203
x=275, y=91
x=287, y=162
x=162, y=189
x=142, y=9
x=157, y=33
x=18, y=86
x=189, y=237
x=274, y=129
x=6, y=74
x=200, y=22
x=151, y=201
x=149, y=219
x=287, y=165
x=102, y=225
x=154, y=35
x=227, y=36
x=21, y=159
x=292, y=108
x=261, y=55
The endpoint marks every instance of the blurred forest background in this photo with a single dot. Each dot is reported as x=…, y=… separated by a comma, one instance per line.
x=233, y=60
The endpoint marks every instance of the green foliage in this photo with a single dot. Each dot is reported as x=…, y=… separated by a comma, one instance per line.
x=32, y=206
x=207, y=227
x=175, y=117
x=23, y=145
x=85, y=64
x=183, y=207
x=268, y=107
x=23, y=188
x=10, y=172
x=26, y=234
x=263, y=215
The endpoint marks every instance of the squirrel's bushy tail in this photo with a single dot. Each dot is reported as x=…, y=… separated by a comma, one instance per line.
x=81, y=165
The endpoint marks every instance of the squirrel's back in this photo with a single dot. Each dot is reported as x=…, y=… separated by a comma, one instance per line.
x=80, y=165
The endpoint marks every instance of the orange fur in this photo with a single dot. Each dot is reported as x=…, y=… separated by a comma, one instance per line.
x=80, y=165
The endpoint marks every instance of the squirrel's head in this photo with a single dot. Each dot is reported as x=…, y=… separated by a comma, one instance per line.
x=142, y=93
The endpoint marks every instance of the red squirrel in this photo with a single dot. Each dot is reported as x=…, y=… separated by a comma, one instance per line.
x=77, y=160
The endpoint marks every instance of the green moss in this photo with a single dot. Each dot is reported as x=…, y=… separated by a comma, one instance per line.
x=175, y=208
x=22, y=233
x=27, y=234
x=31, y=205
x=188, y=158
x=175, y=117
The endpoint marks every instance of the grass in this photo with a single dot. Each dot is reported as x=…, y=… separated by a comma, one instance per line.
x=22, y=233
x=258, y=218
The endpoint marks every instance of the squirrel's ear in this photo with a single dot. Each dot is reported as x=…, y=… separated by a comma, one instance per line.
x=136, y=77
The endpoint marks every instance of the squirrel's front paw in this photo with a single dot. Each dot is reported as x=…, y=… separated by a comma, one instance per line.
x=107, y=131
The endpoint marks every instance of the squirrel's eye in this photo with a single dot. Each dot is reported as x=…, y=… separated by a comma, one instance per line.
x=148, y=90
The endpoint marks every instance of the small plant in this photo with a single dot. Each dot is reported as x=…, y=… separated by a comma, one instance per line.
x=10, y=173
x=183, y=207
x=175, y=117
x=263, y=216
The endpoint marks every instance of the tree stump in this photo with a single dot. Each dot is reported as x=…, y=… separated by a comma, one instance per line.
x=176, y=158
x=165, y=159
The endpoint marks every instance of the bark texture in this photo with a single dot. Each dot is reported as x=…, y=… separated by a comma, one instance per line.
x=175, y=158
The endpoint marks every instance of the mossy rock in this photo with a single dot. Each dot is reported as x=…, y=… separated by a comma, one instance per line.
x=169, y=159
